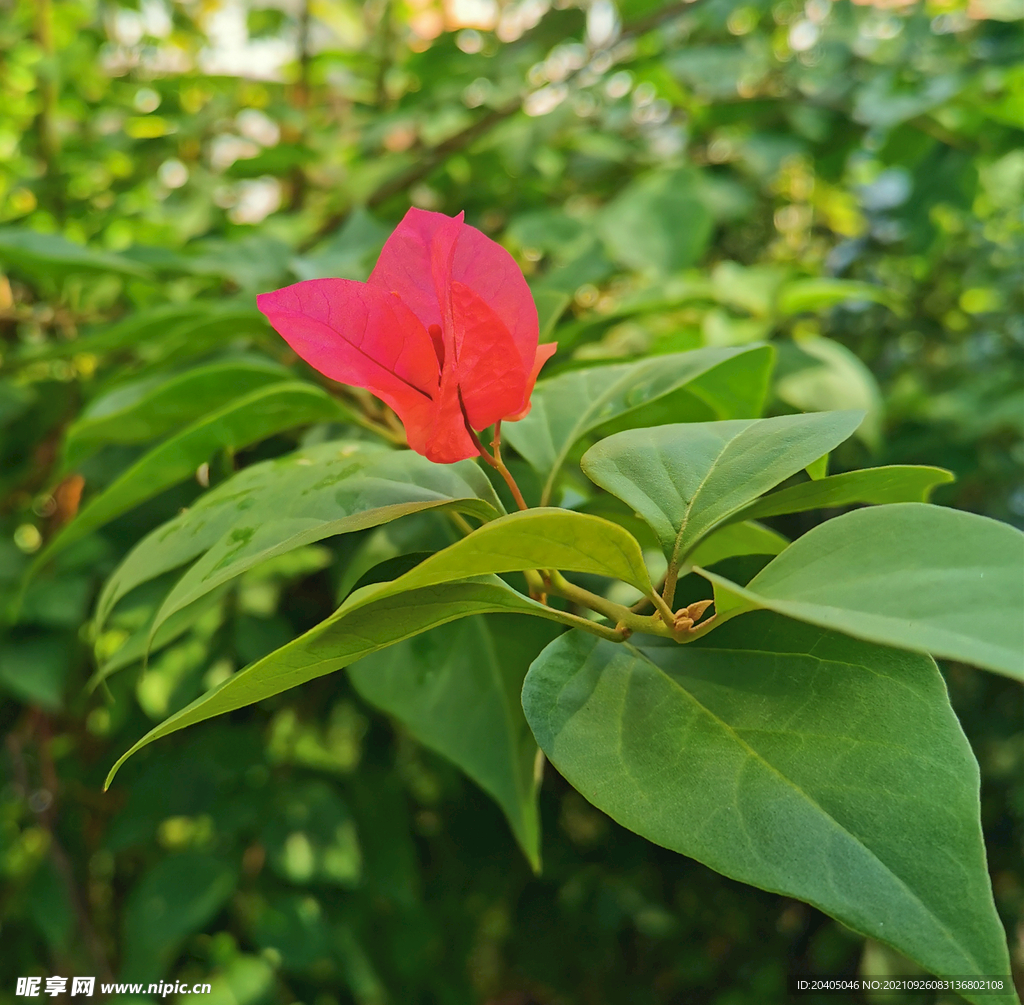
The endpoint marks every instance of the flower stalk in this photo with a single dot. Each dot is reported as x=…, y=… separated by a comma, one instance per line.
x=495, y=461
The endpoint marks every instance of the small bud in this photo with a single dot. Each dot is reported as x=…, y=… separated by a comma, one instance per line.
x=696, y=610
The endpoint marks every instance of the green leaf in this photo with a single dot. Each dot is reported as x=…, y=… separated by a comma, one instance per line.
x=819, y=468
x=664, y=295
x=347, y=254
x=686, y=479
x=659, y=223
x=144, y=409
x=456, y=689
x=145, y=641
x=428, y=596
x=370, y=619
x=816, y=294
x=198, y=324
x=51, y=256
x=34, y=670
x=793, y=759
x=837, y=379
x=747, y=538
x=133, y=330
x=253, y=417
x=536, y=539
x=174, y=899
x=551, y=305
x=276, y=506
x=721, y=383
x=393, y=549
x=911, y=575
x=891, y=484
x=747, y=288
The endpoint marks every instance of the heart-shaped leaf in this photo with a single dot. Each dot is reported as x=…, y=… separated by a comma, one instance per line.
x=456, y=689
x=687, y=478
x=911, y=575
x=716, y=383
x=793, y=759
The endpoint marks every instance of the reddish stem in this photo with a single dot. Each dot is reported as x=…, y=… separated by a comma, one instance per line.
x=498, y=464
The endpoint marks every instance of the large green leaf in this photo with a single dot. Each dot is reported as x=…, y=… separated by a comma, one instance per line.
x=685, y=479
x=253, y=417
x=891, y=484
x=834, y=378
x=399, y=483
x=431, y=594
x=715, y=383
x=911, y=575
x=456, y=689
x=658, y=223
x=821, y=292
x=372, y=618
x=276, y=506
x=149, y=407
x=793, y=759
x=741, y=538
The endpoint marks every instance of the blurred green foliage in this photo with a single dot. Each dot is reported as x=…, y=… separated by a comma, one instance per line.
x=845, y=179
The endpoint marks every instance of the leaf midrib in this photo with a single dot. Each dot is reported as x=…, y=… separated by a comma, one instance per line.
x=688, y=512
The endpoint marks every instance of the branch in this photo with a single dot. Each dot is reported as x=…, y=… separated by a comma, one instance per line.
x=300, y=98
x=431, y=158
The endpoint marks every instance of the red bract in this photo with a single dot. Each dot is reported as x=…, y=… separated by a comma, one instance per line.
x=444, y=331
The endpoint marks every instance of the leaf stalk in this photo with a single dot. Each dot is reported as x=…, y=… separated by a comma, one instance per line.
x=679, y=626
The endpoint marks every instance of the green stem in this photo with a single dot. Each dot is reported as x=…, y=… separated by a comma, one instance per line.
x=668, y=593
x=586, y=625
x=460, y=521
x=663, y=608
x=535, y=584
x=626, y=621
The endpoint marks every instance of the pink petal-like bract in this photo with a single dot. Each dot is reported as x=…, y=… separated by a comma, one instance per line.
x=444, y=332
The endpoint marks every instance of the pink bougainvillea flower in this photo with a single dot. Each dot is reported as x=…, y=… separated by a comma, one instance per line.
x=444, y=331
